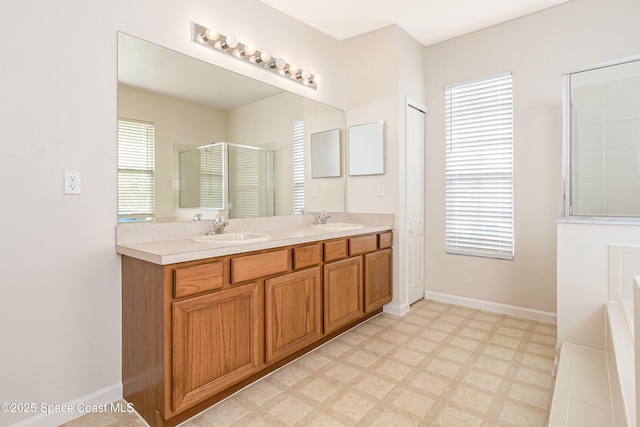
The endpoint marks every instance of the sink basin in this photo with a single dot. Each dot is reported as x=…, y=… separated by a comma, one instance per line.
x=233, y=238
x=338, y=226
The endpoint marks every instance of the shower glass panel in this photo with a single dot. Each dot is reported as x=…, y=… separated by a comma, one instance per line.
x=238, y=179
x=604, y=141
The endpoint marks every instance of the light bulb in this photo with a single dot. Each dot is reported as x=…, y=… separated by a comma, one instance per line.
x=305, y=74
x=249, y=50
x=293, y=70
x=209, y=34
x=278, y=63
x=265, y=56
x=229, y=42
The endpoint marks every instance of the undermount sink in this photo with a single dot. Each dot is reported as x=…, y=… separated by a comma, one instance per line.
x=338, y=226
x=233, y=238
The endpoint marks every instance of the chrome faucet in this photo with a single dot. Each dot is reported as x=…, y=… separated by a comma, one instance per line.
x=322, y=218
x=218, y=226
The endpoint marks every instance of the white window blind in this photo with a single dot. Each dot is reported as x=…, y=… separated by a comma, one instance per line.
x=479, y=167
x=135, y=170
x=246, y=183
x=211, y=177
x=298, y=166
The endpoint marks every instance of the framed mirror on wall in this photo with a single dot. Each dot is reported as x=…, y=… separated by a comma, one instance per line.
x=190, y=103
x=366, y=149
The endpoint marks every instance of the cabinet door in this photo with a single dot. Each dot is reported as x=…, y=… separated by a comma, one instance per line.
x=293, y=312
x=377, y=279
x=215, y=343
x=343, y=301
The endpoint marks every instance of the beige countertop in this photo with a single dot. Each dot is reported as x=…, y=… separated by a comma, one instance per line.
x=172, y=251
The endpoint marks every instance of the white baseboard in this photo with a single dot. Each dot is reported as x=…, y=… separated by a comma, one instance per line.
x=395, y=309
x=494, y=307
x=83, y=405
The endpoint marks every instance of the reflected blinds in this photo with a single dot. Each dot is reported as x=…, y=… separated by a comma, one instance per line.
x=246, y=182
x=211, y=178
x=135, y=170
x=298, y=166
x=479, y=167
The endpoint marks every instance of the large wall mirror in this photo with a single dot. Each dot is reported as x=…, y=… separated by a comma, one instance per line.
x=212, y=141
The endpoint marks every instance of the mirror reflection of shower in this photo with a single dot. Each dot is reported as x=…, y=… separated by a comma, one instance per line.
x=237, y=180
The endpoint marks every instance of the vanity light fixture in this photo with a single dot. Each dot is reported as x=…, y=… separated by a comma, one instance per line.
x=230, y=45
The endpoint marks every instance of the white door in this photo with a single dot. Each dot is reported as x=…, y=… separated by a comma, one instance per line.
x=415, y=202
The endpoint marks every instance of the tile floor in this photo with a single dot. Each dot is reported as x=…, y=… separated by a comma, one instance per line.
x=439, y=365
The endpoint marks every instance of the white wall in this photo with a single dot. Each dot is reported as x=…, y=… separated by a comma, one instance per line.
x=384, y=67
x=538, y=49
x=60, y=307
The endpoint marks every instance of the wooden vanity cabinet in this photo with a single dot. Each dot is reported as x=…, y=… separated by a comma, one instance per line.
x=343, y=293
x=215, y=343
x=195, y=332
x=377, y=279
x=293, y=309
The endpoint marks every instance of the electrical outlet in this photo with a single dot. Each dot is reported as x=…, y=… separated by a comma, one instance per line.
x=71, y=182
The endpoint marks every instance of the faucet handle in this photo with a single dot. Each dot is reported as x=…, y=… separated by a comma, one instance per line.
x=197, y=217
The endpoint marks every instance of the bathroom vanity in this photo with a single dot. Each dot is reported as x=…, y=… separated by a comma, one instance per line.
x=205, y=321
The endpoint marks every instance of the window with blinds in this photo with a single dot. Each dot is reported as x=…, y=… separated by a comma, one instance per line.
x=479, y=167
x=298, y=166
x=135, y=170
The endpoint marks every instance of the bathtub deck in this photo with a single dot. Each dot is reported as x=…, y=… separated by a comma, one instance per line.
x=581, y=397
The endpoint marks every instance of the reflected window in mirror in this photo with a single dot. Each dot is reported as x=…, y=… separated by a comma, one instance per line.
x=298, y=167
x=135, y=170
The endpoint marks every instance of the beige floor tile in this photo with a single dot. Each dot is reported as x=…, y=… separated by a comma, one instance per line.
x=529, y=395
x=444, y=367
x=455, y=354
x=522, y=416
x=413, y=403
x=352, y=405
x=319, y=389
x=454, y=417
x=422, y=345
x=392, y=369
x=440, y=365
x=476, y=334
x=431, y=383
x=391, y=419
x=363, y=358
x=473, y=398
x=342, y=373
x=290, y=410
x=483, y=326
x=492, y=364
x=483, y=380
x=375, y=386
x=408, y=356
x=534, y=376
x=512, y=332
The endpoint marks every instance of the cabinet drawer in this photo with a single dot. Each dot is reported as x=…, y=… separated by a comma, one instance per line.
x=385, y=240
x=335, y=250
x=363, y=244
x=306, y=256
x=197, y=278
x=260, y=265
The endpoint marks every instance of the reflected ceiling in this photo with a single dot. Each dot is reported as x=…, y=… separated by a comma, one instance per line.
x=181, y=76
